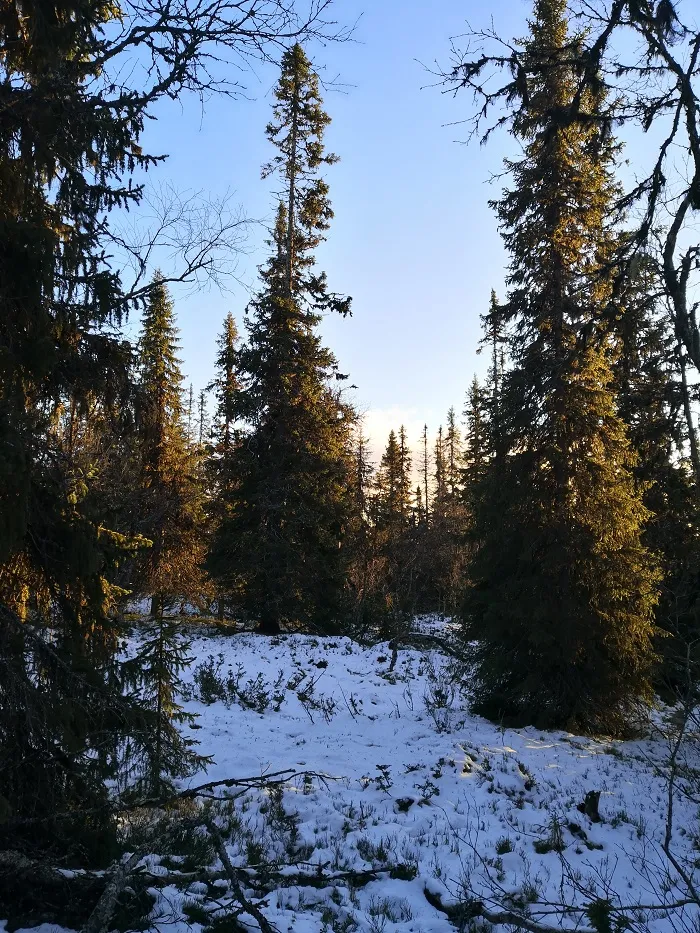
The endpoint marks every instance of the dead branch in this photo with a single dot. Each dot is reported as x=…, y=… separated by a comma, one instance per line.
x=461, y=913
x=235, y=878
x=158, y=803
x=99, y=919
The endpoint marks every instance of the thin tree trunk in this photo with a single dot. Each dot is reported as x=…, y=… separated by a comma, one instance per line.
x=692, y=434
x=157, y=764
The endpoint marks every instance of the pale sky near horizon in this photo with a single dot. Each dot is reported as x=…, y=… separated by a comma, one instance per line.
x=413, y=240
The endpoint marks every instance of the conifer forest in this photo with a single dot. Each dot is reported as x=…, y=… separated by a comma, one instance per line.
x=260, y=668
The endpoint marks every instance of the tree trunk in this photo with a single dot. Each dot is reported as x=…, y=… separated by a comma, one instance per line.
x=692, y=435
x=269, y=622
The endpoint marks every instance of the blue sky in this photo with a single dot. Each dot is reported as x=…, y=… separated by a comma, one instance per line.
x=413, y=240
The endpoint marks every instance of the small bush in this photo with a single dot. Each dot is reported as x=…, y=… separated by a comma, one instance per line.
x=209, y=685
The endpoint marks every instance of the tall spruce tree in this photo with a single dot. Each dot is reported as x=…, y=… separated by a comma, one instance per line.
x=445, y=544
x=653, y=403
x=282, y=537
x=64, y=162
x=395, y=537
x=477, y=443
x=440, y=488
x=393, y=484
x=362, y=574
x=453, y=455
x=562, y=603
x=170, y=508
x=225, y=386
x=424, y=470
x=221, y=466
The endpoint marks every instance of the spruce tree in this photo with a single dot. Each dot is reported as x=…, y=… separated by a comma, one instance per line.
x=225, y=387
x=170, y=509
x=652, y=401
x=396, y=541
x=440, y=493
x=563, y=594
x=221, y=468
x=282, y=537
x=362, y=575
x=163, y=754
x=424, y=471
x=478, y=444
x=453, y=456
x=203, y=426
x=393, y=490
x=64, y=156
x=494, y=341
x=444, y=546
x=190, y=413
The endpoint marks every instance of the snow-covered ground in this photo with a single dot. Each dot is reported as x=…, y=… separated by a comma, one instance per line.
x=435, y=799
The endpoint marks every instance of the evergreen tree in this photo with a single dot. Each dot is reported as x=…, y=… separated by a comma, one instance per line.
x=443, y=551
x=170, y=508
x=221, y=467
x=563, y=593
x=64, y=157
x=404, y=491
x=202, y=420
x=477, y=448
x=153, y=763
x=395, y=539
x=393, y=489
x=652, y=402
x=425, y=471
x=190, y=413
x=453, y=456
x=363, y=562
x=494, y=341
x=419, y=507
x=440, y=489
x=225, y=388
x=282, y=537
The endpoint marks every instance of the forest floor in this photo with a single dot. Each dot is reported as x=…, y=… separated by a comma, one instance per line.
x=408, y=804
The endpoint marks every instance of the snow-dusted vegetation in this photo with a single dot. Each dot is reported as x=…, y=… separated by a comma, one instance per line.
x=388, y=807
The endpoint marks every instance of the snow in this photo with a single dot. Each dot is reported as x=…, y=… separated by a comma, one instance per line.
x=460, y=804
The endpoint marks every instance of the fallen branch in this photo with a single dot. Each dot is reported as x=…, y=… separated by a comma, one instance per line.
x=99, y=919
x=462, y=912
x=274, y=880
x=155, y=803
x=233, y=876
x=424, y=641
